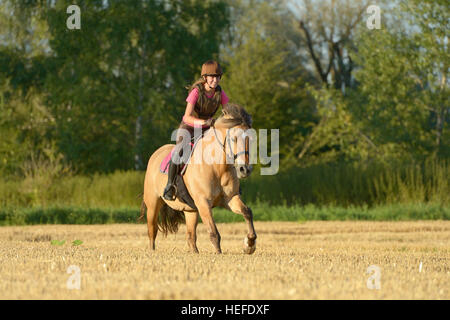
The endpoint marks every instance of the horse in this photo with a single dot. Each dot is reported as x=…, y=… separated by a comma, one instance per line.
x=210, y=185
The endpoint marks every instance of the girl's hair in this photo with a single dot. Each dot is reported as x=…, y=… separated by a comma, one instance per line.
x=196, y=83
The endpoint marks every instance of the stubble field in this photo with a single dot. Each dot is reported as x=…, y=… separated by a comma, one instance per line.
x=312, y=260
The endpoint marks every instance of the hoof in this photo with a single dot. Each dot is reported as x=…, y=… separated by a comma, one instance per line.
x=249, y=249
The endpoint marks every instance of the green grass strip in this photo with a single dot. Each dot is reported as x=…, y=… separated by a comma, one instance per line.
x=261, y=212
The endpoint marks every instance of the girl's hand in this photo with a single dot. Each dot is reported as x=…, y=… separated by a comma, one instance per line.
x=210, y=122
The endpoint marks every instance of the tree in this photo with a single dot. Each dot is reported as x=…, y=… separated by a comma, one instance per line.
x=336, y=135
x=24, y=126
x=262, y=72
x=24, y=118
x=403, y=79
x=327, y=27
x=116, y=87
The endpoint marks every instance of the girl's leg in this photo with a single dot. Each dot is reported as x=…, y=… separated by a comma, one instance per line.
x=183, y=138
x=170, y=191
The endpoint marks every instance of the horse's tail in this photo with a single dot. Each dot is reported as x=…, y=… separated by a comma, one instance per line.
x=143, y=211
x=169, y=219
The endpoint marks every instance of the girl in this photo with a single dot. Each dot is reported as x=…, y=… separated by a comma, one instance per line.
x=203, y=100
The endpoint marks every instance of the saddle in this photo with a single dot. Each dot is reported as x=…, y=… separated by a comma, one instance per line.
x=182, y=192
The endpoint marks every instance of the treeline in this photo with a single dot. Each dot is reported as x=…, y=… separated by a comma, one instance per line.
x=103, y=98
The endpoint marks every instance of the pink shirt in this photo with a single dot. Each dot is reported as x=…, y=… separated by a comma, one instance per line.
x=193, y=97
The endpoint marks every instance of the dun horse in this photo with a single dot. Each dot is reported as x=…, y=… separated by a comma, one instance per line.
x=210, y=185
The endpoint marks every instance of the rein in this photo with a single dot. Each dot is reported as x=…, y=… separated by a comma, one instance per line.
x=227, y=138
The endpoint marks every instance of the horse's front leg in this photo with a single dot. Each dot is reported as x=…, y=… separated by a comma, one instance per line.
x=237, y=206
x=191, y=230
x=205, y=211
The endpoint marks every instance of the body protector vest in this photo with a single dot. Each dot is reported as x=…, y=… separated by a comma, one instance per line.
x=205, y=107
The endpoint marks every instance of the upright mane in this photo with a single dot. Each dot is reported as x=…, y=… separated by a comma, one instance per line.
x=234, y=115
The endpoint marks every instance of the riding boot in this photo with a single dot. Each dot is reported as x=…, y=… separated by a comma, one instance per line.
x=170, y=190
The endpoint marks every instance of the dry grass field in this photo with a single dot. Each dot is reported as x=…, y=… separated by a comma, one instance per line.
x=312, y=260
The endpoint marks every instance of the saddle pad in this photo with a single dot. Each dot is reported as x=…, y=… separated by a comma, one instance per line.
x=164, y=166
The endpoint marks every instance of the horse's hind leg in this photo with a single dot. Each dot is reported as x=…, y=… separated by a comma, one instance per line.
x=191, y=229
x=153, y=207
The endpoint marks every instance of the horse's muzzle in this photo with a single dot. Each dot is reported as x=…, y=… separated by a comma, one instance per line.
x=243, y=171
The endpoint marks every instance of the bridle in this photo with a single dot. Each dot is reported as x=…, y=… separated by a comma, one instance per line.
x=224, y=146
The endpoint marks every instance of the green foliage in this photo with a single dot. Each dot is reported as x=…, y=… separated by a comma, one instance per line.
x=262, y=73
x=337, y=184
x=77, y=242
x=115, y=88
x=61, y=242
x=66, y=215
x=24, y=124
x=57, y=242
x=79, y=109
x=123, y=72
x=99, y=190
x=103, y=98
x=261, y=212
x=353, y=184
x=403, y=82
x=333, y=134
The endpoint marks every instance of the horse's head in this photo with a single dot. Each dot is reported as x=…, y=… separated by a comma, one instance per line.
x=235, y=121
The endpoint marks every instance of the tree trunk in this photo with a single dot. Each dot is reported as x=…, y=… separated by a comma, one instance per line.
x=138, y=163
